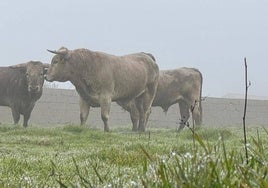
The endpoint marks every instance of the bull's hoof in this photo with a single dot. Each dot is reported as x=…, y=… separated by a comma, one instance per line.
x=181, y=127
x=106, y=130
x=141, y=129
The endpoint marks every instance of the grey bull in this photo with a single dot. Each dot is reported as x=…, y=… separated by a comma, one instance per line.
x=101, y=78
x=21, y=86
x=182, y=86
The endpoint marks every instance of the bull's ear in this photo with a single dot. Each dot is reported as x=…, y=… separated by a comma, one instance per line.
x=67, y=56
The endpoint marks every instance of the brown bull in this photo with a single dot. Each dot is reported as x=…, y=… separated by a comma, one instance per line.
x=20, y=87
x=182, y=86
x=100, y=78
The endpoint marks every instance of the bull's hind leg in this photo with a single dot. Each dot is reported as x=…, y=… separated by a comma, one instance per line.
x=147, y=101
x=139, y=105
x=131, y=107
x=185, y=114
x=197, y=114
x=134, y=115
x=105, y=104
x=16, y=115
x=84, y=111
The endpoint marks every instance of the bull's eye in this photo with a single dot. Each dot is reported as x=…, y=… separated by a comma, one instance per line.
x=54, y=62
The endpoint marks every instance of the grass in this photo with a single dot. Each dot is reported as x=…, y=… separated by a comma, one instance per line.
x=74, y=156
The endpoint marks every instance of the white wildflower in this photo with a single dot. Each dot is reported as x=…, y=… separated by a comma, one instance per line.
x=188, y=155
x=133, y=183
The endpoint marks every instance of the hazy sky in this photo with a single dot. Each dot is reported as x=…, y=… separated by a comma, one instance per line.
x=211, y=35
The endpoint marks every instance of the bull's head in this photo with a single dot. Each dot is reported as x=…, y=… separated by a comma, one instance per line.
x=59, y=70
x=34, y=72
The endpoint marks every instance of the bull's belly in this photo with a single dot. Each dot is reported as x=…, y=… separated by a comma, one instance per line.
x=165, y=102
x=3, y=104
x=127, y=95
x=94, y=99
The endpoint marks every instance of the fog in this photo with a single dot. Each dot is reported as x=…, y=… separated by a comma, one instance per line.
x=213, y=36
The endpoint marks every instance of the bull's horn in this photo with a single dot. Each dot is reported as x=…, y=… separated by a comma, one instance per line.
x=52, y=51
x=58, y=52
x=61, y=51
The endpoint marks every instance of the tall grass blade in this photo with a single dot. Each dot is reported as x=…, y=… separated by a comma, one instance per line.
x=200, y=141
x=146, y=153
x=62, y=184
x=163, y=174
x=225, y=156
x=97, y=173
x=85, y=182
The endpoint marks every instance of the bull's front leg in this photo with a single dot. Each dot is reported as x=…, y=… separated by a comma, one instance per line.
x=105, y=104
x=27, y=114
x=26, y=118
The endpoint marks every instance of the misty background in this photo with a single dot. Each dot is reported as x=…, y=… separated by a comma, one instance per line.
x=213, y=36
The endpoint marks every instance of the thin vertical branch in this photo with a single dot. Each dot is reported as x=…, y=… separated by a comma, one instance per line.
x=245, y=108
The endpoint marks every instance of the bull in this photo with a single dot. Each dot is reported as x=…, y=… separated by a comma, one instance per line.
x=101, y=78
x=182, y=86
x=21, y=86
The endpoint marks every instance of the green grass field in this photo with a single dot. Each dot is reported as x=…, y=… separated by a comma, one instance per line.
x=74, y=156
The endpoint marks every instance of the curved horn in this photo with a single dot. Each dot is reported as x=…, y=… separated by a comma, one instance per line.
x=61, y=51
x=52, y=51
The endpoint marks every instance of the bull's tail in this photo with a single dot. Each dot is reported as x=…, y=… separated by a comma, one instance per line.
x=150, y=55
x=200, y=97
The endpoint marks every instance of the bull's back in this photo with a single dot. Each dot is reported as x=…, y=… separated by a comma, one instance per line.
x=132, y=73
x=4, y=83
x=11, y=84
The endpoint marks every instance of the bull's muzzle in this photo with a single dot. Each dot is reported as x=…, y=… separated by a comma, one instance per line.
x=34, y=89
x=48, y=78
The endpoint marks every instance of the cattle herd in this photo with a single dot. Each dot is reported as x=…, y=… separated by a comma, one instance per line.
x=133, y=81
